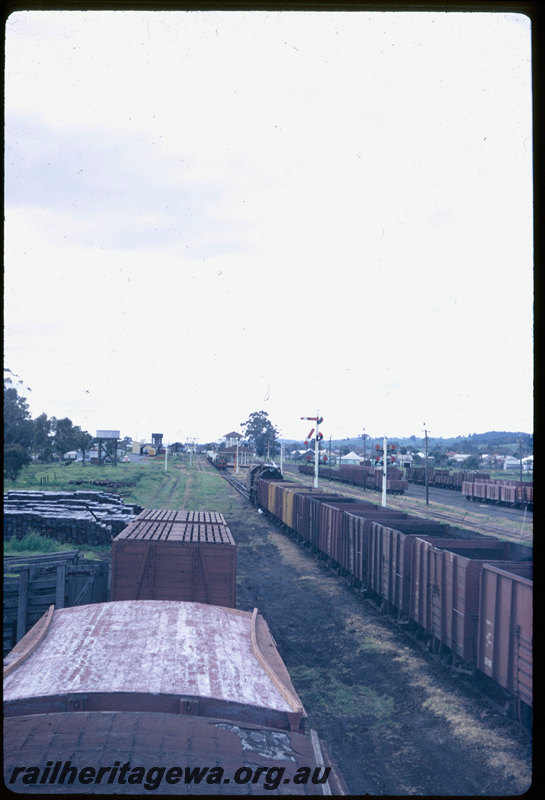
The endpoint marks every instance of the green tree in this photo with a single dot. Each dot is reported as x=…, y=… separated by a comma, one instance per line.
x=260, y=430
x=15, y=458
x=18, y=430
x=65, y=436
x=472, y=462
x=83, y=441
x=42, y=443
x=18, y=426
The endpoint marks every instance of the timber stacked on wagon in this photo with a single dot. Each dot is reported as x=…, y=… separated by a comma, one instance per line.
x=175, y=555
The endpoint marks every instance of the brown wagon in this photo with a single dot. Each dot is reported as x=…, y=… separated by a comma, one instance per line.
x=504, y=651
x=175, y=555
x=152, y=655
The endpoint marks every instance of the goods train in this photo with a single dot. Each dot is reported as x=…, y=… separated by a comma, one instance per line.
x=477, y=486
x=469, y=597
x=365, y=476
x=506, y=493
x=157, y=695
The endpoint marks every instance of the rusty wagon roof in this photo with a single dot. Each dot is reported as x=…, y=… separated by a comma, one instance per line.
x=155, y=647
x=146, y=739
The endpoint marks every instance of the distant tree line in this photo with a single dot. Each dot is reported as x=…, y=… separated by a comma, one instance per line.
x=44, y=438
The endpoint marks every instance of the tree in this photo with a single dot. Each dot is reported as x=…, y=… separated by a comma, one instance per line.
x=83, y=441
x=472, y=462
x=65, y=436
x=42, y=443
x=18, y=427
x=15, y=458
x=18, y=430
x=260, y=430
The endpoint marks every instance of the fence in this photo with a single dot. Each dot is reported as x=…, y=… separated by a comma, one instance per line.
x=33, y=583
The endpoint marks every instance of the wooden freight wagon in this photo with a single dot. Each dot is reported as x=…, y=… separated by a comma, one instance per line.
x=59, y=744
x=448, y=574
x=153, y=656
x=175, y=555
x=504, y=651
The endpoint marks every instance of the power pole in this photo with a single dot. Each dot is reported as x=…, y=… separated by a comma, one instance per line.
x=364, y=437
x=426, y=467
x=384, y=469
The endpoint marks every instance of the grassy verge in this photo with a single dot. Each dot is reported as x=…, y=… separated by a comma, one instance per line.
x=34, y=544
x=147, y=484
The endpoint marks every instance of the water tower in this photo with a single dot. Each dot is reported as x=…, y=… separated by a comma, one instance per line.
x=107, y=446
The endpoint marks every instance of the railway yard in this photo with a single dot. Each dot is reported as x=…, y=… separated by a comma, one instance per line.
x=396, y=720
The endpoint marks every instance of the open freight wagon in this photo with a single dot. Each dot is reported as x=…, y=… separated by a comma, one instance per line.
x=175, y=555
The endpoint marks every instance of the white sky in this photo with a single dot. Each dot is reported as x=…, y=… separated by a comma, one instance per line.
x=210, y=213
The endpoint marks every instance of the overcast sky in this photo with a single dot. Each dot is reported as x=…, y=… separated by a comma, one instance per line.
x=210, y=213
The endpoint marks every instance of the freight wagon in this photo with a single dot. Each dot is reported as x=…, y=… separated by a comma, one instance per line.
x=517, y=494
x=175, y=555
x=431, y=576
x=155, y=682
x=366, y=477
x=442, y=478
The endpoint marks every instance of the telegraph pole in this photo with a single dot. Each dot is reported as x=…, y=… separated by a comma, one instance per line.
x=426, y=467
x=384, y=469
x=364, y=437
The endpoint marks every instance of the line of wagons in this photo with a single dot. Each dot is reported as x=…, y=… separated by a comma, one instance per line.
x=367, y=477
x=167, y=688
x=468, y=596
x=477, y=486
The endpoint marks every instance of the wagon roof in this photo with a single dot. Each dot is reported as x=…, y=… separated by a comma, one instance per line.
x=146, y=739
x=154, y=647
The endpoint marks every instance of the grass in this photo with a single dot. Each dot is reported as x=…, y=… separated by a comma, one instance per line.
x=32, y=544
x=147, y=484
x=35, y=544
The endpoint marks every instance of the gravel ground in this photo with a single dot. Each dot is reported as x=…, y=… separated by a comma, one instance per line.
x=397, y=722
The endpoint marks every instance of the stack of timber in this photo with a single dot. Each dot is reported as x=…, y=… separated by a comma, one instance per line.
x=33, y=583
x=175, y=555
x=74, y=517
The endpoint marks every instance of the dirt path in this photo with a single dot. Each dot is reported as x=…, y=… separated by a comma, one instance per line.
x=398, y=723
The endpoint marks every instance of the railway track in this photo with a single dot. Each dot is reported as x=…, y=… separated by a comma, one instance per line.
x=238, y=485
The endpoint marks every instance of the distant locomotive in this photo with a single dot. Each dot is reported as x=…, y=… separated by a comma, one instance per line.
x=217, y=459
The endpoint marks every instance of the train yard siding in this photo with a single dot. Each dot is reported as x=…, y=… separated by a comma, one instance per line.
x=396, y=721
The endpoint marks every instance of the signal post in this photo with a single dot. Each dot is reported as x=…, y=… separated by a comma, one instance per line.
x=318, y=438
